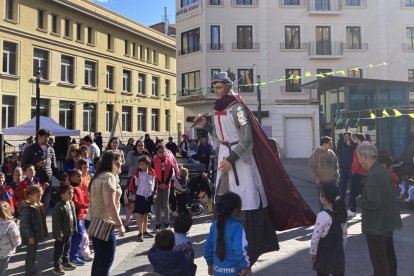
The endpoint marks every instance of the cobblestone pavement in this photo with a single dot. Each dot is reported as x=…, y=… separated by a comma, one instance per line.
x=292, y=259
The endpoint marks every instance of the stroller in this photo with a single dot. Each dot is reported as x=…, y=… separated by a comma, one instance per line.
x=200, y=192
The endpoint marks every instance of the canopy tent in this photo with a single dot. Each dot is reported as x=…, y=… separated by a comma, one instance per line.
x=29, y=128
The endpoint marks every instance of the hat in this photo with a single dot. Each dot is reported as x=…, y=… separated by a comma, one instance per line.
x=221, y=77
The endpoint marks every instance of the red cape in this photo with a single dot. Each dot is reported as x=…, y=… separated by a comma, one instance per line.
x=286, y=206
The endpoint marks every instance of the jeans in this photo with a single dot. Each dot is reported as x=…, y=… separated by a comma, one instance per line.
x=162, y=203
x=77, y=240
x=344, y=179
x=356, y=190
x=29, y=266
x=47, y=196
x=382, y=254
x=4, y=263
x=61, y=254
x=104, y=255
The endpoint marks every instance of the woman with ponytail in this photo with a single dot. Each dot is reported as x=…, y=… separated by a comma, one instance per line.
x=330, y=234
x=226, y=245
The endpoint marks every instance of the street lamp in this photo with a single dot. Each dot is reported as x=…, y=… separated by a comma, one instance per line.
x=38, y=99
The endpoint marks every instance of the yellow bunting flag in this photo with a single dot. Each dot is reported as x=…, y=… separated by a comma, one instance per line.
x=373, y=115
x=411, y=115
x=341, y=72
x=320, y=75
x=308, y=74
x=396, y=112
x=354, y=69
x=297, y=77
x=385, y=113
x=329, y=73
x=291, y=77
x=263, y=83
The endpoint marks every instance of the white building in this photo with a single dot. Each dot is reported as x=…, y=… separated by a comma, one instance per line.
x=277, y=38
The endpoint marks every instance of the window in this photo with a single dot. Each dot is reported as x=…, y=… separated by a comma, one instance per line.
x=126, y=81
x=66, y=69
x=9, y=58
x=323, y=40
x=141, y=84
x=126, y=118
x=126, y=47
x=353, y=37
x=167, y=89
x=79, y=32
x=149, y=55
x=66, y=114
x=322, y=71
x=190, y=82
x=291, y=2
x=292, y=85
x=109, y=42
x=185, y=3
x=352, y=2
x=155, y=117
x=44, y=107
x=244, y=37
x=410, y=38
x=154, y=90
x=244, y=2
x=215, y=2
x=142, y=118
x=245, y=79
x=190, y=41
x=322, y=5
x=89, y=117
x=8, y=109
x=55, y=24
x=134, y=50
x=355, y=73
x=167, y=120
x=109, y=77
x=109, y=116
x=155, y=57
x=41, y=19
x=41, y=62
x=90, y=35
x=10, y=10
x=292, y=37
x=90, y=73
x=411, y=75
x=215, y=37
x=67, y=28
x=141, y=52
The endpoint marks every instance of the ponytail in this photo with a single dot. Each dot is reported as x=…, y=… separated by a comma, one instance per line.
x=221, y=245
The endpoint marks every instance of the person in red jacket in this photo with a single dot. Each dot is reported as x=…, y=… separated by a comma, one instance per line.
x=30, y=180
x=75, y=177
x=6, y=193
x=358, y=173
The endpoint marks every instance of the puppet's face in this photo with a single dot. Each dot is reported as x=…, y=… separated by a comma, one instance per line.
x=220, y=89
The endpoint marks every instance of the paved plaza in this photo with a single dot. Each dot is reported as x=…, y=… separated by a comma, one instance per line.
x=292, y=259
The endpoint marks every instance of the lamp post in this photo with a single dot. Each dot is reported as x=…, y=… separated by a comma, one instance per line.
x=259, y=100
x=37, y=99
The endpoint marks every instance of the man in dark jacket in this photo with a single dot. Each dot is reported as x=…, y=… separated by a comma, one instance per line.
x=149, y=144
x=171, y=146
x=380, y=212
x=345, y=153
x=42, y=156
x=204, y=151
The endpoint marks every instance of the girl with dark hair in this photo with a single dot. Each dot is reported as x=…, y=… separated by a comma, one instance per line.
x=226, y=245
x=330, y=234
x=105, y=193
x=113, y=145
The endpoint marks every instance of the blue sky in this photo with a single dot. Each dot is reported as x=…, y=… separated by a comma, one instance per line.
x=146, y=12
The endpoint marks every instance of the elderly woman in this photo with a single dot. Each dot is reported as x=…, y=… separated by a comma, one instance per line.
x=105, y=193
x=72, y=157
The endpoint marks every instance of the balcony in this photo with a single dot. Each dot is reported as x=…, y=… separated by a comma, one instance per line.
x=325, y=49
x=324, y=7
x=189, y=50
x=356, y=46
x=407, y=4
x=354, y=3
x=190, y=92
x=292, y=3
x=244, y=2
x=245, y=46
x=295, y=47
x=187, y=97
x=408, y=46
x=215, y=47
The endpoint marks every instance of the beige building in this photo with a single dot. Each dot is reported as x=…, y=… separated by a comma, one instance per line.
x=92, y=63
x=295, y=39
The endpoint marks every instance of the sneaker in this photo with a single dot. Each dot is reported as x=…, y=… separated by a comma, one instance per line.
x=157, y=227
x=58, y=271
x=166, y=225
x=147, y=235
x=351, y=214
x=68, y=266
x=139, y=239
x=86, y=258
x=77, y=262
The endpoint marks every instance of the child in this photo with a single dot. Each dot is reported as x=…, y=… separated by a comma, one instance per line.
x=30, y=180
x=330, y=233
x=31, y=226
x=403, y=186
x=6, y=192
x=9, y=236
x=143, y=184
x=226, y=245
x=181, y=190
x=17, y=177
x=64, y=225
x=182, y=225
x=410, y=190
x=75, y=177
x=167, y=261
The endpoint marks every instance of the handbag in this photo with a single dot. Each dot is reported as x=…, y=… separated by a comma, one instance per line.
x=100, y=228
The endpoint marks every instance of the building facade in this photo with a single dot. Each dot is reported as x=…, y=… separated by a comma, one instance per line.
x=92, y=63
x=288, y=42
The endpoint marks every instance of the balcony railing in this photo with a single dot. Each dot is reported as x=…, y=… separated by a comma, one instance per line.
x=324, y=6
x=245, y=46
x=186, y=51
x=407, y=3
x=244, y=2
x=327, y=49
x=292, y=3
x=215, y=2
x=408, y=46
x=190, y=92
x=215, y=47
x=296, y=46
x=354, y=3
x=356, y=46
